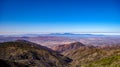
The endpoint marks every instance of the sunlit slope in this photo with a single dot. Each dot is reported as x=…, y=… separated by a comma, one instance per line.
x=95, y=56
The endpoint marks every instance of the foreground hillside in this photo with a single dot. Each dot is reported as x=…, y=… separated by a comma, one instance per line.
x=87, y=56
x=26, y=54
x=23, y=53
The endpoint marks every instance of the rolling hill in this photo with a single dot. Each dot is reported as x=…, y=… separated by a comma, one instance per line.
x=108, y=56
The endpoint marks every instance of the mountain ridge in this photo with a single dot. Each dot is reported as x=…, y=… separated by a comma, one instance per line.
x=30, y=54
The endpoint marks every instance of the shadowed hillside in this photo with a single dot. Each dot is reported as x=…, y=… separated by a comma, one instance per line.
x=27, y=54
x=6, y=63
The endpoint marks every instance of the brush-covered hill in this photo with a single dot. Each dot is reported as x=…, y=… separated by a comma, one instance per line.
x=23, y=53
x=87, y=56
x=67, y=47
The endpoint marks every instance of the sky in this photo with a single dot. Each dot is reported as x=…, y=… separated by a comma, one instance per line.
x=53, y=16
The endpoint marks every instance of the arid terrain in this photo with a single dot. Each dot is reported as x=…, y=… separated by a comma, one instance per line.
x=50, y=40
x=60, y=51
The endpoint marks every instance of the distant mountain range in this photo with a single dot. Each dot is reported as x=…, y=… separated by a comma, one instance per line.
x=59, y=34
x=51, y=34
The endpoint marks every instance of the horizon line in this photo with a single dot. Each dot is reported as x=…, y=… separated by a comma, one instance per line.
x=97, y=33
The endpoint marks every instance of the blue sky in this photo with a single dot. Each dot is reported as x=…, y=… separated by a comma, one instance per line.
x=51, y=16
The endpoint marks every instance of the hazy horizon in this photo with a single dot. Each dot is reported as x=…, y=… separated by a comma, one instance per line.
x=58, y=33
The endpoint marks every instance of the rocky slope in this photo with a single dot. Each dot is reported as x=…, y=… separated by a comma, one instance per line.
x=22, y=53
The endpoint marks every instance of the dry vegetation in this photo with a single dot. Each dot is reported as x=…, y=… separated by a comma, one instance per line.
x=31, y=55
